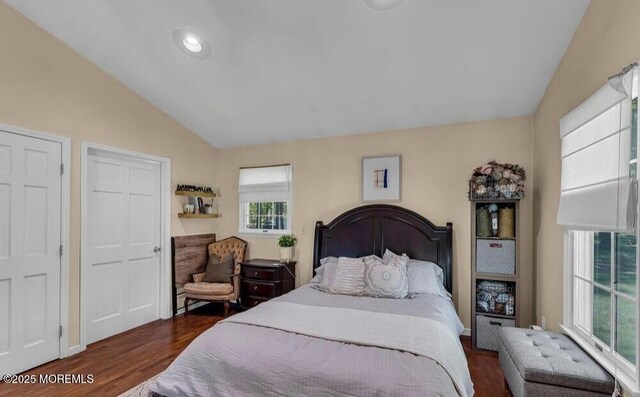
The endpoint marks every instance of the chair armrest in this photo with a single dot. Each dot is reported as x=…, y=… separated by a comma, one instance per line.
x=197, y=277
x=234, y=276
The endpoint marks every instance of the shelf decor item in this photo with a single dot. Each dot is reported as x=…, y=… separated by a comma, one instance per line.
x=286, y=243
x=506, y=228
x=493, y=210
x=495, y=181
x=483, y=222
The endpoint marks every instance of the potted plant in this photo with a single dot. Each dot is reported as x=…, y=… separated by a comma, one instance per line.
x=286, y=243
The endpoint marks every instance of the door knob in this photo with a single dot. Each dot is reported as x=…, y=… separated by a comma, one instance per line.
x=156, y=249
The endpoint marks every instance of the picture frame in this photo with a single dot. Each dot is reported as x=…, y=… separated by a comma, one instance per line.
x=382, y=178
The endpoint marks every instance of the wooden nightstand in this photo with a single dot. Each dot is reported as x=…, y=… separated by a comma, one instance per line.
x=264, y=279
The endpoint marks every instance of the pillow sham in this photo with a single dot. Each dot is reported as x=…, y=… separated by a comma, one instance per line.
x=423, y=277
x=385, y=280
x=437, y=269
x=329, y=259
x=325, y=274
x=349, y=277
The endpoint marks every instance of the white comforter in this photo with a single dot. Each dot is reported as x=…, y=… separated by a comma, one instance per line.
x=312, y=343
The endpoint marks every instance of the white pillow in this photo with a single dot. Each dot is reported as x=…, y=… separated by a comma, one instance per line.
x=349, y=277
x=325, y=273
x=423, y=277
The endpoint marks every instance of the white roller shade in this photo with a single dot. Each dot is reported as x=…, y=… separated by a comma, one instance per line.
x=597, y=192
x=265, y=184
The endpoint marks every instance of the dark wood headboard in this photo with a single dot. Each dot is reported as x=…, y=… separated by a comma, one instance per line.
x=188, y=255
x=371, y=229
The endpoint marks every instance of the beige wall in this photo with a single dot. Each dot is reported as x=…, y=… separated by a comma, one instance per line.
x=605, y=41
x=46, y=86
x=436, y=165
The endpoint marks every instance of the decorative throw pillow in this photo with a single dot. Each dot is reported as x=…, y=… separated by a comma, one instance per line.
x=219, y=270
x=390, y=256
x=349, y=277
x=386, y=279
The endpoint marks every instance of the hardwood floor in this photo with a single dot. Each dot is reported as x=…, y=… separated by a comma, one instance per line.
x=485, y=370
x=122, y=361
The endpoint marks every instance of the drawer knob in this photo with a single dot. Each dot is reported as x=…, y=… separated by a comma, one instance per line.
x=255, y=287
x=255, y=273
x=255, y=303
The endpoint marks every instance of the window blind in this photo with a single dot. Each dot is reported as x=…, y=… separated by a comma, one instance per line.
x=597, y=190
x=265, y=184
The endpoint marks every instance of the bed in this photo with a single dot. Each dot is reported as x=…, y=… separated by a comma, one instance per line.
x=310, y=342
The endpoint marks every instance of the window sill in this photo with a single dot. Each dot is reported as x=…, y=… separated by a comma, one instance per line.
x=258, y=234
x=628, y=383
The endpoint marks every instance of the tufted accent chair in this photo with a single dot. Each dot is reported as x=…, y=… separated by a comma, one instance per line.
x=198, y=290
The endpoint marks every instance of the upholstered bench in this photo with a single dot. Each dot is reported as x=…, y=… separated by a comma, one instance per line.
x=540, y=363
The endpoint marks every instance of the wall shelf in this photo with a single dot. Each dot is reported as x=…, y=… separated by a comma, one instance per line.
x=183, y=215
x=195, y=194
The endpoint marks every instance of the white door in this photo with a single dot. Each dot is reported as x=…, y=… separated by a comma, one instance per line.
x=123, y=210
x=30, y=199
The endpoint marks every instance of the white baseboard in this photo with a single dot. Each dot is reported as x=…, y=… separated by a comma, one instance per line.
x=73, y=350
x=194, y=306
x=466, y=332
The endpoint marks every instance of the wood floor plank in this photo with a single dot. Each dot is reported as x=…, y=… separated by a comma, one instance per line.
x=125, y=360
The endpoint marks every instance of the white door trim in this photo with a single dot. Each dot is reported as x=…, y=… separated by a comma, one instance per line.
x=165, y=228
x=65, y=209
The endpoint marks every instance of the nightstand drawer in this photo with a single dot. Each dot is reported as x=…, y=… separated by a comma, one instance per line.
x=260, y=273
x=258, y=289
x=253, y=301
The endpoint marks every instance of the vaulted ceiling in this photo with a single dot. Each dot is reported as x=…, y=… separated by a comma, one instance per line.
x=295, y=69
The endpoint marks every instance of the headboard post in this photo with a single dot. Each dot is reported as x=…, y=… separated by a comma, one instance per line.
x=371, y=229
x=316, y=244
x=449, y=250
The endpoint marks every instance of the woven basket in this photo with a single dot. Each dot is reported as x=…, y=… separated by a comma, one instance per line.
x=506, y=223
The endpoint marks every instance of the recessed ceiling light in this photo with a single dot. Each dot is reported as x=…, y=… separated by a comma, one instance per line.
x=383, y=5
x=192, y=43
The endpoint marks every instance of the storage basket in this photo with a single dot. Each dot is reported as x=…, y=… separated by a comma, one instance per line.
x=496, y=297
x=496, y=256
x=487, y=331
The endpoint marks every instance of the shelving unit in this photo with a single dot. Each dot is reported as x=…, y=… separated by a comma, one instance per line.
x=502, y=281
x=193, y=196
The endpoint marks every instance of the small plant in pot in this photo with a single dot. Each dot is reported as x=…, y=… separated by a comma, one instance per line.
x=286, y=243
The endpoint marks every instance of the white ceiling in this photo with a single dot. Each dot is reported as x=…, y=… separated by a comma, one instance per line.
x=295, y=69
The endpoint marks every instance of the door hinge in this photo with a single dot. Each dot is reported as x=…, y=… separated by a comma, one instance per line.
x=60, y=331
x=61, y=168
x=60, y=250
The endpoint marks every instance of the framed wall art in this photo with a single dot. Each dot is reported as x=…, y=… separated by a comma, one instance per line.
x=382, y=178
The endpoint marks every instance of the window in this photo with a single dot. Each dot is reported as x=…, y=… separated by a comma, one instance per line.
x=604, y=300
x=598, y=207
x=265, y=200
